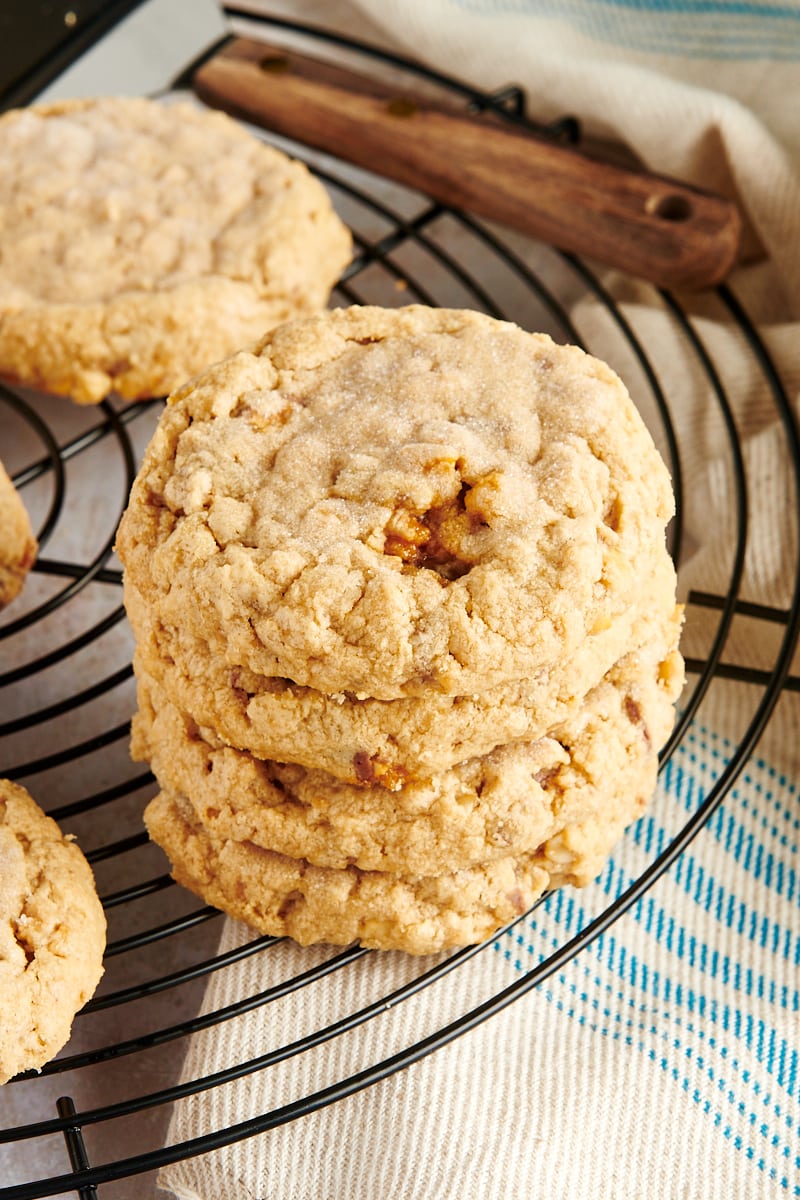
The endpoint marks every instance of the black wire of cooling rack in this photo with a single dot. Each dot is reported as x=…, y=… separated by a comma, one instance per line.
x=384, y=233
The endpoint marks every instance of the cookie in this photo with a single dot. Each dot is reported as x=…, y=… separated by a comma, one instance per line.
x=284, y=896
x=390, y=742
x=393, y=502
x=52, y=933
x=506, y=803
x=141, y=241
x=17, y=543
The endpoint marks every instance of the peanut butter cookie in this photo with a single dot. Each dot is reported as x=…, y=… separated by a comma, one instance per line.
x=141, y=241
x=506, y=803
x=52, y=933
x=419, y=914
x=391, y=503
x=389, y=742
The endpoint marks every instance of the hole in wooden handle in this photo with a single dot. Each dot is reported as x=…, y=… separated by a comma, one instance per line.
x=400, y=106
x=670, y=207
x=274, y=64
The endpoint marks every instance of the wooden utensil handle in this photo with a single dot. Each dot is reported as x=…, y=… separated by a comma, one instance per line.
x=646, y=225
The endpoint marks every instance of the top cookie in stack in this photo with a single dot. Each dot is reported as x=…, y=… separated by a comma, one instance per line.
x=381, y=546
x=141, y=241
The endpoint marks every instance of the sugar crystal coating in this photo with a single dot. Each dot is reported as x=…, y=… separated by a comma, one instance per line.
x=141, y=241
x=393, y=502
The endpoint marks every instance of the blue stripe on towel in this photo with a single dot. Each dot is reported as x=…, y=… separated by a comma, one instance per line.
x=696, y=1035
x=616, y=992
x=712, y=29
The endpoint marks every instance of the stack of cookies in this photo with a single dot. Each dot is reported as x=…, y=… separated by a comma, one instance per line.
x=406, y=625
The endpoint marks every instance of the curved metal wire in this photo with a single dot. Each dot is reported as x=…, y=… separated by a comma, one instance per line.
x=53, y=461
x=90, y=571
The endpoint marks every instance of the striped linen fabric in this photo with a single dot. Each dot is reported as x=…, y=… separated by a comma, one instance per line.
x=702, y=978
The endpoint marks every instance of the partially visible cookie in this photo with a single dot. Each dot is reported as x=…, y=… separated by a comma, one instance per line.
x=141, y=241
x=390, y=742
x=289, y=897
x=397, y=502
x=52, y=934
x=17, y=543
x=506, y=803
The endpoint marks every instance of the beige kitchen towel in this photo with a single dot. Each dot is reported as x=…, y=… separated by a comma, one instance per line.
x=663, y=1060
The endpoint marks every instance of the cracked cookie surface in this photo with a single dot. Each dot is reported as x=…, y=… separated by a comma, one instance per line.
x=387, y=742
x=391, y=503
x=290, y=897
x=52, y=933
x=142, y=241
x=508, y=802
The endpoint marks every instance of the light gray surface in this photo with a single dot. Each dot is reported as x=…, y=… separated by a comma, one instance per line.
x=143, y=52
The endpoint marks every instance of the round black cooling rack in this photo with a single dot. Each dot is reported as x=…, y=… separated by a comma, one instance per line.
x=66, y=698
